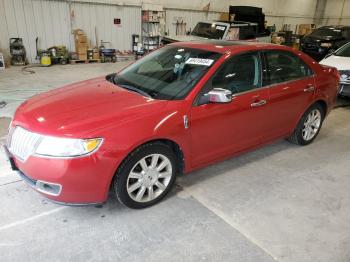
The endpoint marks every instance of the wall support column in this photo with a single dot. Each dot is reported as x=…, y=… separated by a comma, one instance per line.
x=320, y=11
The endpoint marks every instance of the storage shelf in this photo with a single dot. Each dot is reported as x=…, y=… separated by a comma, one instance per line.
x=151, y=28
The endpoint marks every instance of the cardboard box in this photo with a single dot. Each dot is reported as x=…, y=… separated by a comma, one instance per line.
x=78, y=32
x=80, y=38
x=96, y=55
x=305, y=29
x=275, y=39
x=82, y=56
x=81, y=49
x=78, y=44
x=225, y=17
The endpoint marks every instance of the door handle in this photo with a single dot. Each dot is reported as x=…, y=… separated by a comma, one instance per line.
x=309, y=88
x=259, y=103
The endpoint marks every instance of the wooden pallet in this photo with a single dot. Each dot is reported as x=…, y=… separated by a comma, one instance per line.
x=128, y=57
x=85, y=61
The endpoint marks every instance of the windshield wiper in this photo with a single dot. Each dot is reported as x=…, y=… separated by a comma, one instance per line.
x=135, y=89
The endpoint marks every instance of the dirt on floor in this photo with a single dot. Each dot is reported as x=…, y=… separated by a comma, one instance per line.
x=4, y=124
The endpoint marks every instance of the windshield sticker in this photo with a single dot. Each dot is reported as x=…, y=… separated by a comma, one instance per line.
x=199, y=61
x=222, y=28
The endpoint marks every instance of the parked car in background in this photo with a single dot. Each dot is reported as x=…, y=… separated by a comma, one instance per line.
x=217, y=30
x=340, y=59
x=177, y=109
x=325, y=40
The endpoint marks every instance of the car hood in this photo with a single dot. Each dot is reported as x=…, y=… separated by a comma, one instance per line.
x=314, y=38
x=84, y=108
x=339, y=62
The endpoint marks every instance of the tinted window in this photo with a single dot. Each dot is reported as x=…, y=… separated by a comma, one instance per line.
x=241, y=73
x=327, y=32
x=343, y=51
x=248, y=32
x=209, y=30
x=284, y=66
x=167, y=73
x=241, y=33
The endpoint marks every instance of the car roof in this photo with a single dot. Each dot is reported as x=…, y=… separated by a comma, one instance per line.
x=230, y=24
x=334, y=27
x=222, y=46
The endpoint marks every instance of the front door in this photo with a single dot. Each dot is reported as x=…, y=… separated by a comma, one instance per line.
x=221, y=129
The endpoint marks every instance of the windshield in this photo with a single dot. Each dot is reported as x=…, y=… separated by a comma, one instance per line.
x=209, y=30
x=327, y=32
x=167, y=73
x=343, y=51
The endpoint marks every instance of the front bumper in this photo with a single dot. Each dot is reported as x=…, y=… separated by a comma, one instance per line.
x=75, y=181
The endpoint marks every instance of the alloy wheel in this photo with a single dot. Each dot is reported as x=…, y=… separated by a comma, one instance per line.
x=149, y=178
x=311, y=125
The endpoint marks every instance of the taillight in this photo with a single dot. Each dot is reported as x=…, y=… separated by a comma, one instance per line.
x=337, y=73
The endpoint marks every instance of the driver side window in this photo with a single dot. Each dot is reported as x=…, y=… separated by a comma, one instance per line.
x=240, y=74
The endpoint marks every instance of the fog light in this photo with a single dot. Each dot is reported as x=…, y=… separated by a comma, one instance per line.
x=48, y=188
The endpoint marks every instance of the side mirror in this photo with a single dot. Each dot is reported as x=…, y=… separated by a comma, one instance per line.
x=219, y=95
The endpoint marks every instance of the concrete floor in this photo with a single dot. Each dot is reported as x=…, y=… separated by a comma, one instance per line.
x=279, y=203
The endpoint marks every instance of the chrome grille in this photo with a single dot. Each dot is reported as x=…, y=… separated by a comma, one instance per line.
x=22, y=143
x=344, y=77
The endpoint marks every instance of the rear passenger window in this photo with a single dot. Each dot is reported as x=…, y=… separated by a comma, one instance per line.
x=283, y=66
x=241, y=73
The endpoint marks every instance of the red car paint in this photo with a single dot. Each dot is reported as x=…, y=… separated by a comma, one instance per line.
x=126, y=120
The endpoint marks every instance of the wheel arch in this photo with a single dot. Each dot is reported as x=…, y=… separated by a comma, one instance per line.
x=320, y=102
x=323, y=105
x=173, y=145
x=176, y=149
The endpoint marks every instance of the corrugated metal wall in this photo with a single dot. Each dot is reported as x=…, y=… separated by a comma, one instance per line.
x=52, y=21
x=91, y=16
x=337, y=12
x=48, y=20
x=191, y=18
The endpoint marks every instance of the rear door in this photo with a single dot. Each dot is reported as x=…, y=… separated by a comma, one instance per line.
x=291, y=87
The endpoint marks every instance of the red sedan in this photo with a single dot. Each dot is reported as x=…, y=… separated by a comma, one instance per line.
x=180, y=108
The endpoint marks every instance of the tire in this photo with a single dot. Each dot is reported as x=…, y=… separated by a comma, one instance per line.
x=311, y=122
x=138, y=177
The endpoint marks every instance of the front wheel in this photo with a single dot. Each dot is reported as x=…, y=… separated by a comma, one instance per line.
x=146, y=175
x=309, y=126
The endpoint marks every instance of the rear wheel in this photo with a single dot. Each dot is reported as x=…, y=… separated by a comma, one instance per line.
x=146, y=175
x=309, y=126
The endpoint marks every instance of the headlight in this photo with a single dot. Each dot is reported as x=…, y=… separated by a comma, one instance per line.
x=66, y=147
x=326, y=45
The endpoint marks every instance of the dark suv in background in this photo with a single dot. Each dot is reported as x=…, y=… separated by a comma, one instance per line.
x=324, y=40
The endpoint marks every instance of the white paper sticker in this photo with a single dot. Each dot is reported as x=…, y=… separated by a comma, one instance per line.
x=222, y=28
x=199, y=61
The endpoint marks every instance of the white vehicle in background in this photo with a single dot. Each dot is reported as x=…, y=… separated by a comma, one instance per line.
x=340, y=59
